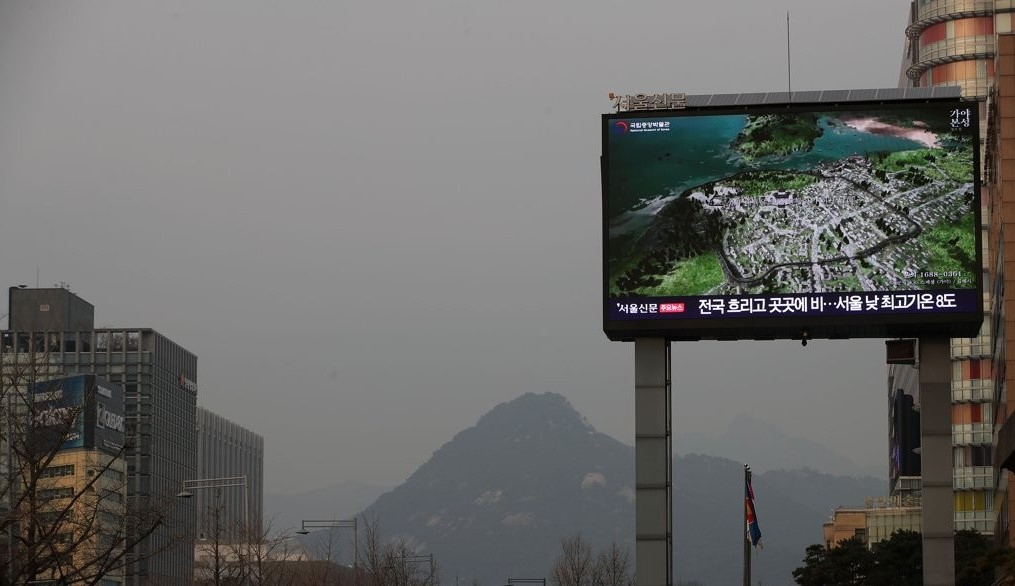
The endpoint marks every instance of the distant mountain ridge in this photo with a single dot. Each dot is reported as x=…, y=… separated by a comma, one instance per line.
x=766, y=447
x=338, y=501
x=490, y=500
x=495, y=501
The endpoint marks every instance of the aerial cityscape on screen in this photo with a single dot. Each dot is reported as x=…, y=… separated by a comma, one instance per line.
x=878, y=200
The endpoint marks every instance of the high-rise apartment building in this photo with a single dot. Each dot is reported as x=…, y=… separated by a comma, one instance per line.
x=999, y=179
x=158, y=378
x=953, y=43
x=226, y=450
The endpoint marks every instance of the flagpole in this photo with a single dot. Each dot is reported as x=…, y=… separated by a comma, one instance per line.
x=747, y=535
x=747, y=561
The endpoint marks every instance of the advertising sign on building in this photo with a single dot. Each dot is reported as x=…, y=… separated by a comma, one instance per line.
x=799, y=221
x=78, y=411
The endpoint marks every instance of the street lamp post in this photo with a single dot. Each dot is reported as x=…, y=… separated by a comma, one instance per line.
x=307, y=524
x=225, y=482
x=513, y=581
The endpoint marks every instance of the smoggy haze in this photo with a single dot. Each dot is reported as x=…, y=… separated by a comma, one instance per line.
x=375, y=221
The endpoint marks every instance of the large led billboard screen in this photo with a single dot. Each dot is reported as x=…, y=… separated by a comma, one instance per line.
x=816, y=220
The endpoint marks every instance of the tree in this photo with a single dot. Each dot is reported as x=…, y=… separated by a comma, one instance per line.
x=577, y=566
x=813, y=570
x=262, y=556
x=574, y=566
x=898, y=560
x=213, y=563
x=395, y=562
x=612, y=567
x=974, y=558
x=66, y=512
x=850, y=563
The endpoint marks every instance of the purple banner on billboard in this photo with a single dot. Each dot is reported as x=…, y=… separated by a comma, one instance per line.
x=812, y=304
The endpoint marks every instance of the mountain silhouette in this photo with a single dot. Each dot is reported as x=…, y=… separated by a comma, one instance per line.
x=766, y=447
x=494, y=502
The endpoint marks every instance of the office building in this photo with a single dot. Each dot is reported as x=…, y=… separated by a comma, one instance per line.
x=953, y=43
x=999, y=181
x=972, y=438
x=875, y=522
x=158, y=378
x=73, y=456
x=230, y=459
x=903, y=437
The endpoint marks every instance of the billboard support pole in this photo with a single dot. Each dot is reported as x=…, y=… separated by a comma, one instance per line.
x=653, y=450
x=936, y=461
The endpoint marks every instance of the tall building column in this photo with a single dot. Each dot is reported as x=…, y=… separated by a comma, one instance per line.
x=653, y=449
x=936, y=455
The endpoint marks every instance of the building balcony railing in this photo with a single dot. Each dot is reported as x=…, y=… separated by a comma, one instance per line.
x=972, y=391
x=978, y=347
x=982, y=521
x=941, y=10
x=949, y=48
x=972, y=434
x=915, y=71
x=973, y=478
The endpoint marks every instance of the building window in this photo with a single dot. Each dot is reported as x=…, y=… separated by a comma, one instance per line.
x=51, y=494
x=57, y=471
x=70, y=342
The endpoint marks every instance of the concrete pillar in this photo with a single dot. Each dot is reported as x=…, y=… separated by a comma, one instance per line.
x=653, y=449
x=936, y=462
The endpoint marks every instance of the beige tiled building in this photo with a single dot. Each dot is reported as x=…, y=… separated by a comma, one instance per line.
x=97, y=483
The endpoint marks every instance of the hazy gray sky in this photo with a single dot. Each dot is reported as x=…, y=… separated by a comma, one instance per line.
x=374, y=221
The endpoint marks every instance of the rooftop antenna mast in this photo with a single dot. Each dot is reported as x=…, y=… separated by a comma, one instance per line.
x=789, y=68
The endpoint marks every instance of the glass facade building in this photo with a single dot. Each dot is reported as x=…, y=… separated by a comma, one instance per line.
x=160, y=399
x=228, y=450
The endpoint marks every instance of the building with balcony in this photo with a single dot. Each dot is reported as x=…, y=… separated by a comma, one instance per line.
x=999, y=180
x=951, y=42
x=954, y=43
x=973, y=481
